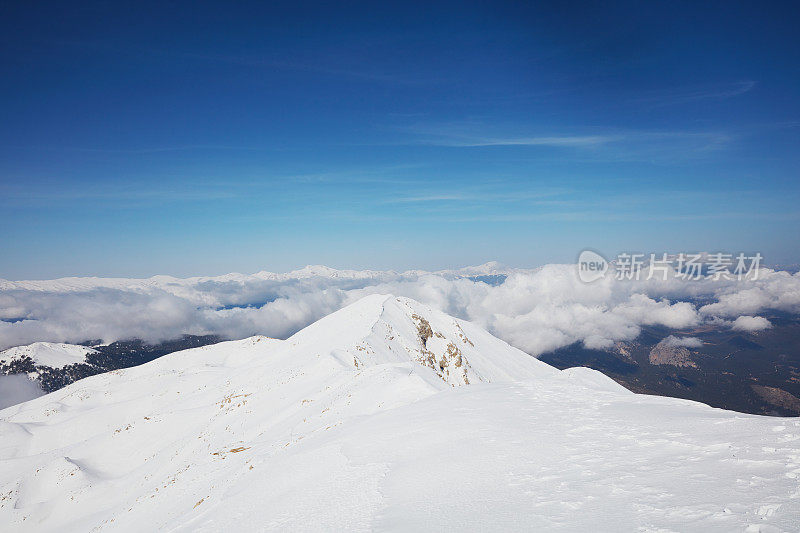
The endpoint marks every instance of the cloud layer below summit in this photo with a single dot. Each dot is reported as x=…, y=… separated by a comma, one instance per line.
x=536, y=310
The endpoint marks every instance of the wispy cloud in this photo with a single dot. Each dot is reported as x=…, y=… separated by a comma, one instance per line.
x=540, y=197
x=684, y=95
x=627, y=145
x=608, y=216
x=428, y=198
x=557, y=141
x=473, y=133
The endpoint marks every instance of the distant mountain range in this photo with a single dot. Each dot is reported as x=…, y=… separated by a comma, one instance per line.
x=69, y=284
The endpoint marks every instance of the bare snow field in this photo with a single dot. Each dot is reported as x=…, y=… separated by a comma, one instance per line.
x=386, y=415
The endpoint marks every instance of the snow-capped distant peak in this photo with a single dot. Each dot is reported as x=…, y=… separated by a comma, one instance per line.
x=54, y=355
x=322, y=271
x=491, y=268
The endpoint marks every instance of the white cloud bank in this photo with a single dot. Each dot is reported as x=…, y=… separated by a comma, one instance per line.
x=17, y=388
x=683, y=342
x=751, y=323
x=536, y=310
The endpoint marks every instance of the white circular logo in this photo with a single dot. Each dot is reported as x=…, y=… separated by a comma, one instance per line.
x=591, y=266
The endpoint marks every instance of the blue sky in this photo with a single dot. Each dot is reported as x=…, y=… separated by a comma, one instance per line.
x=200, y=139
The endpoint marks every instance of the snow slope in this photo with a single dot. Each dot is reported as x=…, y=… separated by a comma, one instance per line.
x=54, y=355
x=360, y=422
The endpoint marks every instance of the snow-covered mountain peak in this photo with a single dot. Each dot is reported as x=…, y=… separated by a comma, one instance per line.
x=381, y=329
x=55, y=355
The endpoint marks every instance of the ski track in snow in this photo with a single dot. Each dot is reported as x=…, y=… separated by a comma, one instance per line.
x=360, y=422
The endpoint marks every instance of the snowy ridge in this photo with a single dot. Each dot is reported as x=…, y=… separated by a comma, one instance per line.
x=385, y=415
